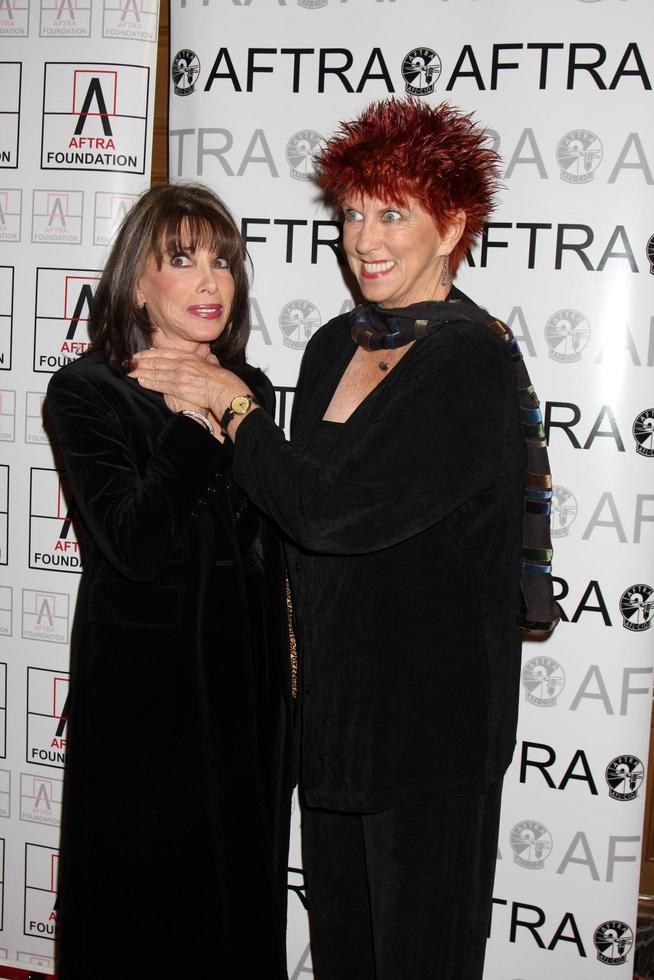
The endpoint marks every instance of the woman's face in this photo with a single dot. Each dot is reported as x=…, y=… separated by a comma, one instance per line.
x=188, y=299
x=395, y=251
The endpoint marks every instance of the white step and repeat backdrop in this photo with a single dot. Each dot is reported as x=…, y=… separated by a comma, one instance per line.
x=76, y=100
x=565, y=86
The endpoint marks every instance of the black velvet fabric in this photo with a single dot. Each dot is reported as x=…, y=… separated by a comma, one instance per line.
x=175, y=834
x=405, y=567
x=403, y=893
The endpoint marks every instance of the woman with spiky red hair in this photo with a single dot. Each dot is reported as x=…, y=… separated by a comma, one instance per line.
x=402, y=496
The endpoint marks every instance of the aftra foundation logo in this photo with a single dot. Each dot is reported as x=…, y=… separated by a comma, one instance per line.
x=52, y=541
x=57, y=217
x=11, y=206
x=45, y=616
x=6, y=610
x=110, y=209
x=47, y=716
x=7, y=415
x=3, y=711
x=41, y=874
x=637, y=607
x=94, y=117
x=4, y=514
x=63, y=303
x=41, y=799
x=10, y=87
x=531, y=843
x=564, y=511
x=184, y=72
x=34, y=431
x=65, y=18
x=5, y=793
x=132, y=20
x=6, y=315
x=14, y=18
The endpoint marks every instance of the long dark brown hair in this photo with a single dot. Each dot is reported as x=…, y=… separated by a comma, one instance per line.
x=163, y=221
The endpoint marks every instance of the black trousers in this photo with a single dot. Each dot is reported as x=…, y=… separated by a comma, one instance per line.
x=403, y=894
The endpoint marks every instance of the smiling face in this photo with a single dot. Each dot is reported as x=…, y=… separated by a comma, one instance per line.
x=188, y=299
x=395, y=251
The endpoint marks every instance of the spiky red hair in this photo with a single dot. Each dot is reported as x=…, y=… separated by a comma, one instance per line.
x=400, y=149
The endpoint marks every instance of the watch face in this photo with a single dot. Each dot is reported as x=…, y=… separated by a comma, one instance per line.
x=241, y=404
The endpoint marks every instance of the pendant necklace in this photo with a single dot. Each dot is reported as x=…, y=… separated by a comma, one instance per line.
x=383, y=365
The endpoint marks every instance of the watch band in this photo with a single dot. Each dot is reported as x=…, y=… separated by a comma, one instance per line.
x=240, y=405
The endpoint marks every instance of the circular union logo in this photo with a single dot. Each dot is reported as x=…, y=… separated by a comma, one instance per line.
x=543, y=680
x=531, y=844
x=300, y=151
x=564, y=511
x=312, y=4
x=298, y=321
x=567, y=332
x=578, y=154
x=650, y=254
x=643, y=431
x=624, y=774
x=420, y=70
x=613, y=940
x=185, y=70
x=637, y=607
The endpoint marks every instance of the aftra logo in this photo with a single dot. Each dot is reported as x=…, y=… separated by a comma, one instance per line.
x=643, y=432
x=300, y=151
x=543, y=680
x=57, y=217
x=65, y=18
x=624, y=776
x=63, y=304
x=613, y=940
x=184, y=71
x=637, y=607
x=10, y=91
x=567, y=332
x=298, y=321
x=133, y=20
x=564, y=511
x=11, y=206
x=47, y=716
x=52, y=541
x=6, y=315
x=421, y=69
x=110, y=209
x=41, y=799
x=14, y=18
x=41, y=874
x=579, y=154
x=531, y=843
x=94, y=117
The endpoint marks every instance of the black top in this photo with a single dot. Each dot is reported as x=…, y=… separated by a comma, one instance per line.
x=405, y=566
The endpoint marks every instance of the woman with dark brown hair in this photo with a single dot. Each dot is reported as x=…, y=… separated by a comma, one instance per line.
x=175, y=831
x=416, y=448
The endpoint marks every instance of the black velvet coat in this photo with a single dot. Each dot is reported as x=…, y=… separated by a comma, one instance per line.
x=405, y=566
x=174, y=844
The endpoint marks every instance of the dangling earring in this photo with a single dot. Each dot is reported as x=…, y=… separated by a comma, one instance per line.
x=445, y=275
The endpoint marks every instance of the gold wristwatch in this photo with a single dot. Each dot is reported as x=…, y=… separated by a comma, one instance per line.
x=240, y=405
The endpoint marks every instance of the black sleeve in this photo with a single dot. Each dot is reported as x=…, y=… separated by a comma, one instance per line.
x=439, y=440
x=135, y=519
